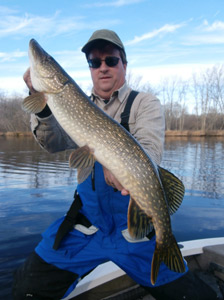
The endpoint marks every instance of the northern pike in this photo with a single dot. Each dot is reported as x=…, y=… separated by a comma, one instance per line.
x=155, y=193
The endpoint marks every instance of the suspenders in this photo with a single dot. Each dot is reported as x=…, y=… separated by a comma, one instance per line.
x=73, y=216
x=126, y=113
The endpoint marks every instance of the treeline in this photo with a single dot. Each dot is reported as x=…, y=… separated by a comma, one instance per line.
x=12, y=117
x=196, y=104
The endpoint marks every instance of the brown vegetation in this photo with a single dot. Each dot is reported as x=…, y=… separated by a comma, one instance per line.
x=12, y=117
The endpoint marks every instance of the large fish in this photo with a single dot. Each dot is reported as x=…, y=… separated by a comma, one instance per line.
x=155, y=193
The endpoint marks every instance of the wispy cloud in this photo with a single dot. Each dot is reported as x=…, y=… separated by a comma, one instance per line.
x=13, y=23
x=11, y=56
x=215, y=26
x=208, y=39
x=163, y=30
x=6, y=10
x=117, y=3
x=207, y=34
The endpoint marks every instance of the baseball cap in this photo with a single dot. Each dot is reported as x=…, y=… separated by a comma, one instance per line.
x=103, y=34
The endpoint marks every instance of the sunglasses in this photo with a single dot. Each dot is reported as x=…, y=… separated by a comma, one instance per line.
x=111, y=61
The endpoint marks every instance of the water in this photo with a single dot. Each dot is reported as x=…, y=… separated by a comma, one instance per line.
x=37, y=187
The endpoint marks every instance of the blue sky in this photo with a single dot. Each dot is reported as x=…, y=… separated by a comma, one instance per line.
x=162, y=38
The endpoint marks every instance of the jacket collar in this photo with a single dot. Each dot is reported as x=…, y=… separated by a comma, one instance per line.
x=121, y=93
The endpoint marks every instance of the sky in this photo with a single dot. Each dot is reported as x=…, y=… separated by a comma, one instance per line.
x=163, y=39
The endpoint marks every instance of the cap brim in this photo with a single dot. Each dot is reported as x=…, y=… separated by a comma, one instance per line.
x=88, y=46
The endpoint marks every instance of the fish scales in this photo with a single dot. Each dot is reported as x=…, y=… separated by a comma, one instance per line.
x=101, y=138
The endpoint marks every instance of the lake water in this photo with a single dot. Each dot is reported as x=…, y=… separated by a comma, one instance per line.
x=37, y=187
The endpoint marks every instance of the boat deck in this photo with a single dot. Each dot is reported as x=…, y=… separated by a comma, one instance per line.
x=107, y=281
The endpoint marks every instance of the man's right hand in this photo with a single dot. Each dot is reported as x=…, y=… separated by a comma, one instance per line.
x=27, y=79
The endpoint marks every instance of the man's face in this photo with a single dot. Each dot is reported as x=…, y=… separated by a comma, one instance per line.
x=107, y=79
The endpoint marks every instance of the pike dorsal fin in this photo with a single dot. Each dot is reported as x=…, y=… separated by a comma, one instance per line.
x=139, y=224
x=174, y=189
x=34, y=103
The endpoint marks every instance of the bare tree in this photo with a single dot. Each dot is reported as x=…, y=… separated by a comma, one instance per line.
x=203, y=84
x=12, y=117
x=136, y=83
x=168, y=94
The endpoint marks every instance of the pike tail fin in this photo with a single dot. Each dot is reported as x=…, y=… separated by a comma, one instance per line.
x=170, y=255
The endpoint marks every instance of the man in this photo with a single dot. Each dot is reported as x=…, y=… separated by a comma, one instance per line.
x=99, y=211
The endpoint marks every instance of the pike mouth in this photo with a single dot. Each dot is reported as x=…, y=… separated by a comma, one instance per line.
x=36, y=52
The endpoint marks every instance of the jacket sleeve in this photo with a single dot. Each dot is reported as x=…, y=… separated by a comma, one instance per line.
x=50, y=135
x=147, y=124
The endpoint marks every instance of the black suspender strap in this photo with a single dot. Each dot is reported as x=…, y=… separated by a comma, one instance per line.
x=126, y=113
x=69, y=221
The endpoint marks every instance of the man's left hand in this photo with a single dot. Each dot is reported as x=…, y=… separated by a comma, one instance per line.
x=112, y=181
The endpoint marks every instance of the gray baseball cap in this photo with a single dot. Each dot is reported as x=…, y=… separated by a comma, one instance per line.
x=103, y=34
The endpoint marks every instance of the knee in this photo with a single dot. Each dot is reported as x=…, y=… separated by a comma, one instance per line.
x=22, y=283
x=20, y=286
x=38, y=280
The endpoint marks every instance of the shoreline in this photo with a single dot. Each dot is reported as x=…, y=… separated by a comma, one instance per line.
x=16, y=134
x=192, y=133
x=168, y=133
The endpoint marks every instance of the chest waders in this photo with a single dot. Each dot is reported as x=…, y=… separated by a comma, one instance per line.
x=73, y=216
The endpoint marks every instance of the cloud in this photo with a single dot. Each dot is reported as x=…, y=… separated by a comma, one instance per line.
x=11, y=56
x=13, y=85
x=210, y=34
x=215, y=26
x=5, y=10
x=25, y=24
x=150, y=74
x=117, y=3
x=12, y=23
x=205, y=39
x=163, y=30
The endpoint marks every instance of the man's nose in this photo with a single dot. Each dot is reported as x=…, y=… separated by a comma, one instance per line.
x=104, y=67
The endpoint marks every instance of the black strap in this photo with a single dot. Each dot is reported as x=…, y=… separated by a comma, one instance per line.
x=93, y=178
x=126, y=113
x=46, y=112
x=69, y=221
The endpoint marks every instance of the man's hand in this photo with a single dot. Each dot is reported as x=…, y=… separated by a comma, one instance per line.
x=112, y=181
x=27, y=79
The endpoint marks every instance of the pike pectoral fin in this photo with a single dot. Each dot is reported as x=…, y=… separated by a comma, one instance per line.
x=173, y=188
x=139, y=224
x=82, y=159
x=83, y=174
x=34, y=103
x=170, y=255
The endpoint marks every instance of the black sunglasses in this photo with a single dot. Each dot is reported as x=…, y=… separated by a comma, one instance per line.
x=111, y=61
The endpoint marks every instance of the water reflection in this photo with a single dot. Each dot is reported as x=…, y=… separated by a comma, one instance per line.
x=37, y=187
x=198, y=162
x=24, y=163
